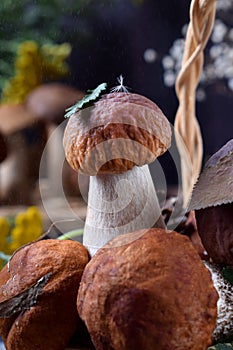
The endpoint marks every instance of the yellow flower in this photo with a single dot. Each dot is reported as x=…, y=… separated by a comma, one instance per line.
x=16, y=239
x=23, y=62
x=21, y=220
x=35, y=224
x=28, y=226
x=63, y=51
x=4, y=226
x=4, y=230
x=33, y=65
x=17, y=235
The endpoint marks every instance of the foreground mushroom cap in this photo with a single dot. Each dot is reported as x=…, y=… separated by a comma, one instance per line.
x=45, y=318
x=121, y=130
x=151, y=293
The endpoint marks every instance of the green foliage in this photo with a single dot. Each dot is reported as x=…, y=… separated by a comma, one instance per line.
x=71, y=234
x=219, y=346
x=227, y=273
x=4, y=258
x=43, y=21
x=40, y=21
x=87, y=100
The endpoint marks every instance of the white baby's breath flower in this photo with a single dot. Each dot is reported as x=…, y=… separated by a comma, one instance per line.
x=169, y=78
x=150, y=55
x=230, y=34
x=223, y=4
x=215, y=51
x=219, y=31
x=168, y=62
x=230, y=84
x=218, y=54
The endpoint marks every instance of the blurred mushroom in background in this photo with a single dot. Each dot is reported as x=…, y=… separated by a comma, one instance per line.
x=25, y=137
x=30, y=111
x=48, y=103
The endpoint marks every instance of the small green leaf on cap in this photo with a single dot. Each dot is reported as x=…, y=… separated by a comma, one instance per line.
x=87, y=100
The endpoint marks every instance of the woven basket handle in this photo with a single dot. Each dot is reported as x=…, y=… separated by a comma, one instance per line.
x=187, y=130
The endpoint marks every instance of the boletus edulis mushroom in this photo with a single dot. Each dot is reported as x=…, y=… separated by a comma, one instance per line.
x=25, y=137
x=49, y=101
x=212, y=200
x=148, y=290
x=113, y=142
x=38, y=292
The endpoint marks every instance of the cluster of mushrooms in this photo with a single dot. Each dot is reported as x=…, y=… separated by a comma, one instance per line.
x=132, y=284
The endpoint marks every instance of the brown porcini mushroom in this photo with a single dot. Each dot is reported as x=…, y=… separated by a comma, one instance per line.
x=212, y=200
x=15, y=117
x=148, y=291
x=25, y=137
x=113, y=142
x=48, y=103
x=38, y=292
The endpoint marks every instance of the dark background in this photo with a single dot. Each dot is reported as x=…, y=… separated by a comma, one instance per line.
x=117, y=35
x=109, y=38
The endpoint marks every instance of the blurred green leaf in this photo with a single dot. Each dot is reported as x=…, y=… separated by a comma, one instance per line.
x=221, y=347
x=4, y=258
x=43, y=21
x=71, y=234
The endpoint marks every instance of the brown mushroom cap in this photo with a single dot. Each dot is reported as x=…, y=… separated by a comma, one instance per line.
x=50, y=323
x=14, y=118
x=215, y=227
x=212, y=201
x=49, y=101
x=215, y=184
x=3, y=148
x=120, y=131
x=151, y=293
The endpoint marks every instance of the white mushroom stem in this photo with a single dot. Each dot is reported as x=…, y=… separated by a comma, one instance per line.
x=119, y=204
